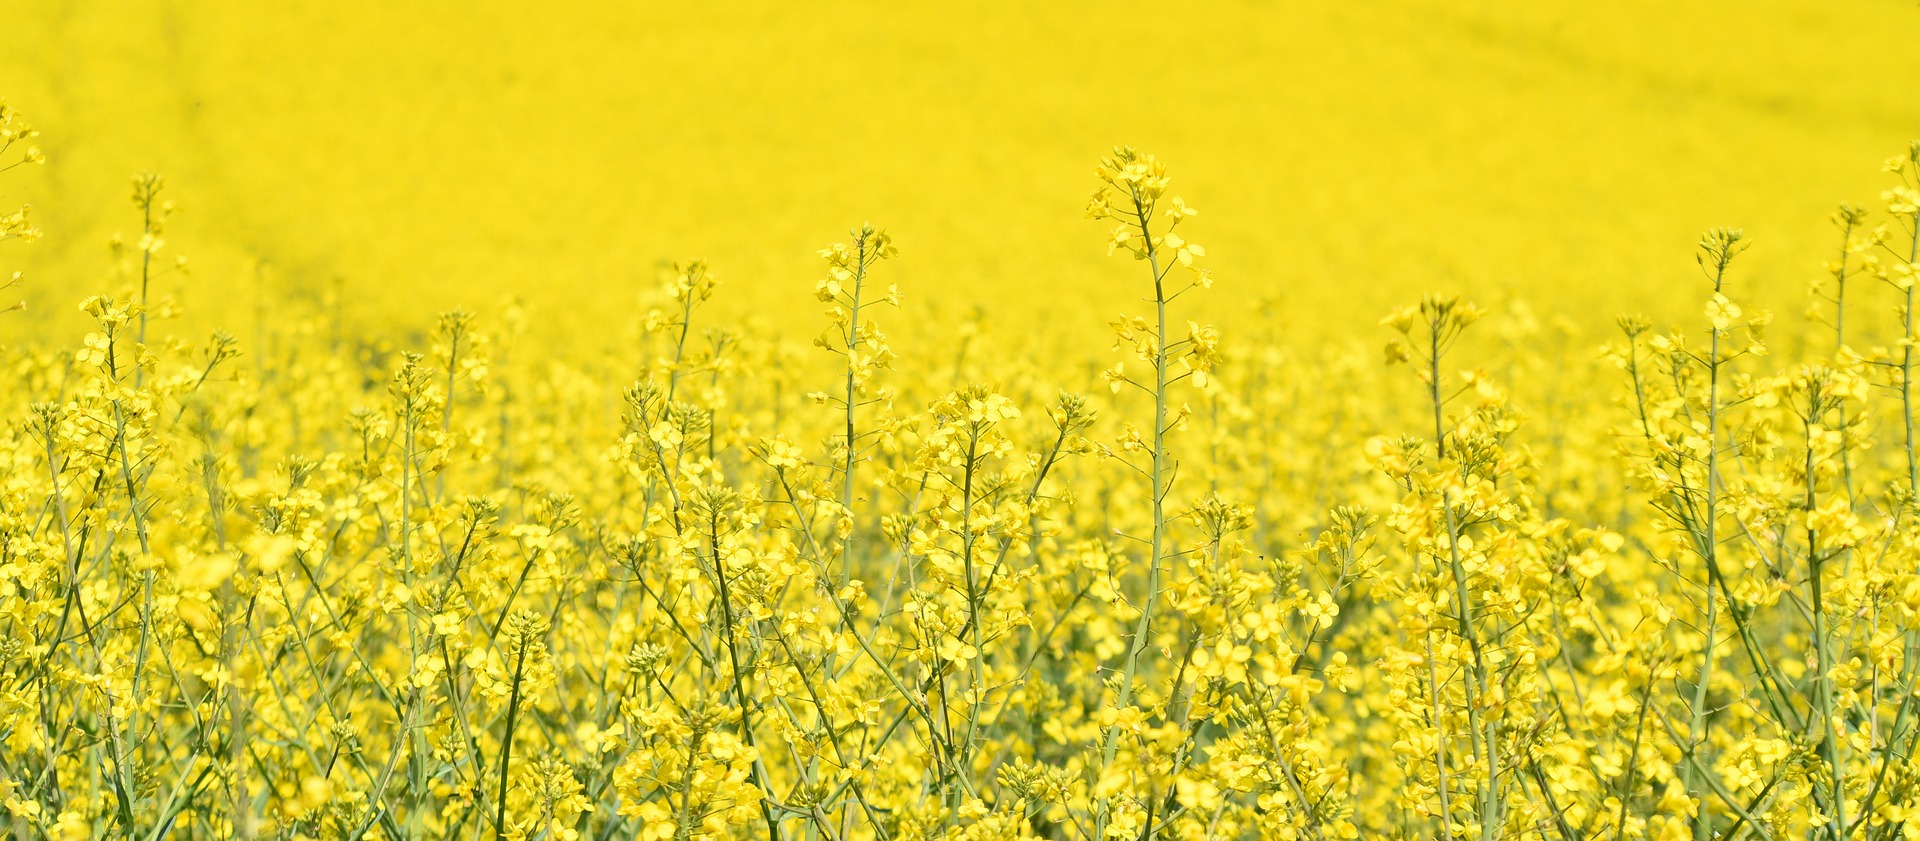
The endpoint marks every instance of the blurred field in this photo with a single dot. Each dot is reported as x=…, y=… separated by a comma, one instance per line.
x=1348, y=156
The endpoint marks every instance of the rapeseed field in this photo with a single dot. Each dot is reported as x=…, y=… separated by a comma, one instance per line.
x=1449, y=421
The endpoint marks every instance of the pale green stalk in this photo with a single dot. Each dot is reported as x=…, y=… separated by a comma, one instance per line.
x=1143, y=629
x=1709, y=548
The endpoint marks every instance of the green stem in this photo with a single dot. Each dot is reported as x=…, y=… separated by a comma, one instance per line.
x=506, y=742
x=1143, y=630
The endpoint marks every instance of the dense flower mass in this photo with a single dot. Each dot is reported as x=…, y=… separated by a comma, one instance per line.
x=338, y=587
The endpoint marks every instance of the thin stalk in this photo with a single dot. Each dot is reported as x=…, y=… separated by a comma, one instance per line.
x=1823, y=656
x=974, y=597
x=506, y=742
x=1143, y=630
x=739, y=683
x=1485, y=733
x=852, y=396
x=1709, y=549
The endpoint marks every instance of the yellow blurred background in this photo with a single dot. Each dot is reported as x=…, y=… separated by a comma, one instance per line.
x=1346, y=156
